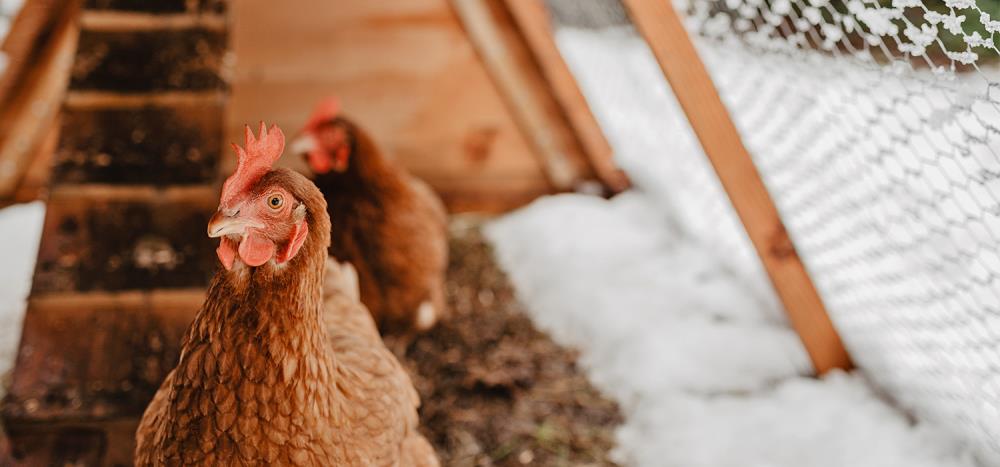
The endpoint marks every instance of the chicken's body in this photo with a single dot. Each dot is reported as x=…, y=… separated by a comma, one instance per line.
x=393, y=229
x=282, y=367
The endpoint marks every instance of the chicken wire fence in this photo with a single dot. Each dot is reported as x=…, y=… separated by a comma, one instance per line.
x=876, y=127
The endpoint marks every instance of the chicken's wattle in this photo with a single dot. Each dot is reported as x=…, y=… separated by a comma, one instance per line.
x=254, y=250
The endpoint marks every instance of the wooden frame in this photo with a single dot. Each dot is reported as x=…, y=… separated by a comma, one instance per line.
x=514, y=41
x=659, y=23
x=535, y=25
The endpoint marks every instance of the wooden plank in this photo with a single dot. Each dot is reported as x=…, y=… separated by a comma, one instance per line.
x=161, y=145
x=33, y=108
x=514, y=72
x=117, y=21
x=92, y=100
x=24, y=40
x=147, y=60
x=200, y=195
x=35, y=181
x=662, y=28
x=90, y=443
x=535, y=25
x=131, y=340
x=159, y=6
x=113, y=241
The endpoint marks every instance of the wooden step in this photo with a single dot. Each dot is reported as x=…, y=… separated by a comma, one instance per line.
x=158, y=6
x=177, y=143
x=111, y=371
x=110, y=238
x=150, y=60
x=83, y=443
x=124, y=256
x=86, y=369
x=98, y=100
x=115, y=21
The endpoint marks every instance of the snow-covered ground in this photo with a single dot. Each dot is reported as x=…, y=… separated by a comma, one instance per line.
x=20, y=228
x=660, y=291
x=705, y=370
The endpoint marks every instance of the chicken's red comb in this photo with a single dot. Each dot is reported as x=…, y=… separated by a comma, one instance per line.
x=253, y=160
x=326, y=110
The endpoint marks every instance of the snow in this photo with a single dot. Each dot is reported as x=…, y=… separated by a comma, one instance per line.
x=705, y=371
x=20, y=228
x=673, y=315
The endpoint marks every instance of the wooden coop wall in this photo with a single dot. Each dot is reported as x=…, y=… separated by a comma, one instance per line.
x=403, y=69
x=464, y=93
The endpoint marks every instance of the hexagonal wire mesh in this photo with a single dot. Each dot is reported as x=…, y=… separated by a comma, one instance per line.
x=876, y=125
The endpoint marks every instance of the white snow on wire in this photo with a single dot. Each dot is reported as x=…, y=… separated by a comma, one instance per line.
x=20, y=229
x=684, y=332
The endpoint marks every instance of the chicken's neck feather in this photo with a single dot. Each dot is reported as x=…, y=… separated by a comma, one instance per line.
x=368, y=173
x=258, y=350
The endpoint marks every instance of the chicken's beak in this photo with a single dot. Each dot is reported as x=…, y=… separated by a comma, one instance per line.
x=304, y=144
x=223, y=223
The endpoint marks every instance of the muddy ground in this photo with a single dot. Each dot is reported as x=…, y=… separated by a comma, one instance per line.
x=495, y=390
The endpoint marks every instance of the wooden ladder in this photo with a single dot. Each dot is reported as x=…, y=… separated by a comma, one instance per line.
x=124, y=258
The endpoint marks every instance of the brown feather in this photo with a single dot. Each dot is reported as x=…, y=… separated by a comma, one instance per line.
x=393, y=228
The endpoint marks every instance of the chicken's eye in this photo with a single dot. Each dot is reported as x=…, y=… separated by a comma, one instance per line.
x=275, y=201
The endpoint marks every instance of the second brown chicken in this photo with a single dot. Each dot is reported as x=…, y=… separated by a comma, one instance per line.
x=390, y=225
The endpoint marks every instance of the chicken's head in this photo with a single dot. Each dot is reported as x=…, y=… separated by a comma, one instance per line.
x=325, y=142
x=260, y=218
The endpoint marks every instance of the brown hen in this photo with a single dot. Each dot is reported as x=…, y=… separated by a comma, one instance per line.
x=281, y=366
x=390, y=225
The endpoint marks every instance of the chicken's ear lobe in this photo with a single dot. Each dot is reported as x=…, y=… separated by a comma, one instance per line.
x=298, y=237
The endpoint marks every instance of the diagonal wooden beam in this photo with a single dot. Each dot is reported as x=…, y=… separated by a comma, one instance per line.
x=535, y=24
x=659, y=23
x=33, y=106
x=510, y=64
x=22, y=43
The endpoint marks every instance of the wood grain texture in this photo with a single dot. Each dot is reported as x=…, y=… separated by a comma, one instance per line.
x=405, y=71
x=669, y=41
x=535, y=26
x=32, y=109
x=98, y=20
x=34, y=183
x=511, y=65
x=24, y=40
x=131, y=340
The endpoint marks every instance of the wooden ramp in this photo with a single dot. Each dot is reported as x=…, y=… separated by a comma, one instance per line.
x=124, y=256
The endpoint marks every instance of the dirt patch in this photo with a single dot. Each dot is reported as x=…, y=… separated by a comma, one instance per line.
x=496, y=391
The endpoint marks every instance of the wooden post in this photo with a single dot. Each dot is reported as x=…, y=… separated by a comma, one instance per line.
x=510, y=64
x=535, y=25
x=34, y=104
x=668, y=40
